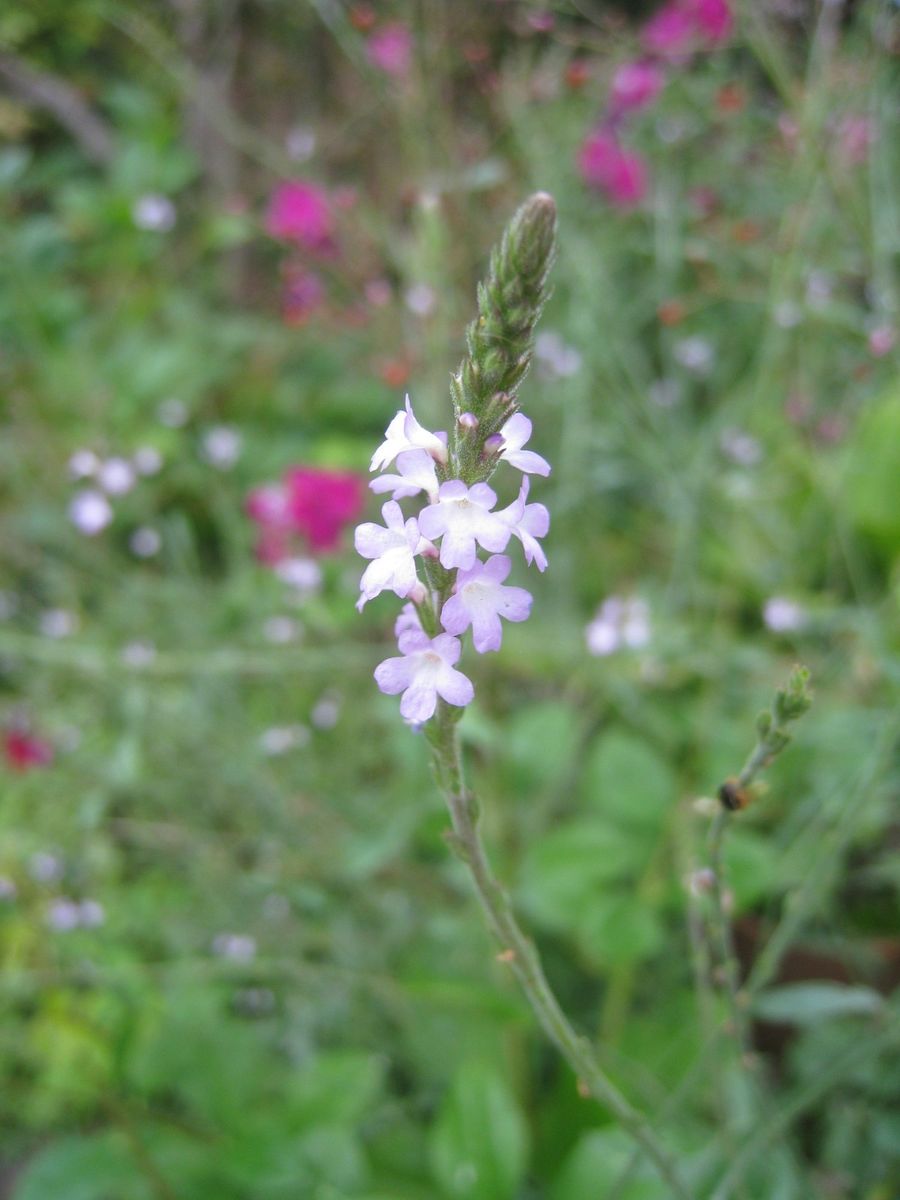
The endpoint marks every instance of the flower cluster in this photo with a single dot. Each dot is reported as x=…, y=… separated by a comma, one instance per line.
x=669, y=38
x=432, y=560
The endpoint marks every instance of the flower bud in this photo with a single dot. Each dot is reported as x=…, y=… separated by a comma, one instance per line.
x=468, y=421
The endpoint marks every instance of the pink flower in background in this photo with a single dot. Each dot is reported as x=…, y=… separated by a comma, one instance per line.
x=713, y=19
x=313, y=503
x=856, y=136
x=620, y=174
x=390, y=49
x=300, y=212
x=23, y=750
x=635, y=85
x=669, y=32
x=881, y=341
x=320, y=503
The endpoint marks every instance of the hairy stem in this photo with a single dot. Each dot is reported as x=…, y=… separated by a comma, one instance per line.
x=520, y=953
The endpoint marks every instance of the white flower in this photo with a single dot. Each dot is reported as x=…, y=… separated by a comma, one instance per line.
x=528, y=522
x=138, y=654
x=405, y=433
x=416, y=474
x=90, y=512
x=619, y=622
x=221, y=446
x=239, y=947
x=57, y=623
x=145, y=542
x=392, y=550
x=695, y=354
x=83, y=464
x=116, y=476
x=424, y=672
x=461, y=518
x=154, y=212
x=782, y=615
x=480, y=600
x=302, y=574
x=420, y=299
x=147, y=460
x=515, y=433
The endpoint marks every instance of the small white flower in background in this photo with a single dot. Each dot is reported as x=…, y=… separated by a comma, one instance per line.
x=787, y=314
x=819, y=288
x=57, y=623
x=695, y=354
x=237, y=947
x=221, y=446
x=63, y=915
x=302, y=574
x=116, y=476
x=90, y=512
x=326, y=713
x=620, y=622
x=44, y=867
x=154, y=212
x=173, y=413
x=83, y=464
x=742, y=448
x=91, y=914
x=405, y=433
x=300, y=143
x=279, y=739
x=8, y=890
x=147, y=460
x=420, y=299
x=280, y=630
x=782, y=615
x=145, y=542
x=556, y=359
x=138, y=654
x=9, y=606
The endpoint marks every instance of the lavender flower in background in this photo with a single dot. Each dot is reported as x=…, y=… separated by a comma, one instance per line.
x=154, y=213
x=90, y=512
x=620, y=623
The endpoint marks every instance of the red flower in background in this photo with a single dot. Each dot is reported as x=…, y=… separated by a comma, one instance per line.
x=301, y=212
x=23, y=750
x=312, y=503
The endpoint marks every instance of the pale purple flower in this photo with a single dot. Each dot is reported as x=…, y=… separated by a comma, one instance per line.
x=91, y=914
x=90, y=512
x=221, y=446
x=154, y=212
x=147, y=460
x=279, y=739
x=45, y=867
x=238, y=947
x=424, y=672
x=554, y=357
x=619, y=622
x=461, y=518
x=408, y=621
x=515, y=433
x=480, y=600
x=57, y=623
x=145, y=542
x=64, y=915
x=326, y=712
x=782, y=615
x=138, y=654
x=420, y=299
x=83, y=464
x=528, y=522
x=8, y=889
x=116, y=476
x=302, y=574
x=635, y=85
x=392, y=550
x=405, y=433
x=416, y=474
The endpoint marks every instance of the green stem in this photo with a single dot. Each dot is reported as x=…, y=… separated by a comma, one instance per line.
x=519, y=952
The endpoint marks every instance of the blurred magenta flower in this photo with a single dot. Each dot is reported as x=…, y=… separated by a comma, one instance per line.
x=620, y=174
x=23, y=750
x=713, y=19
x=390, y=49
x=300, y=212
x=670, y=31
x=635, y=85
x=311, y=502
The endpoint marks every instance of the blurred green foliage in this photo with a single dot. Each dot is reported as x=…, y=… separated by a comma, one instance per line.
x=290, y=992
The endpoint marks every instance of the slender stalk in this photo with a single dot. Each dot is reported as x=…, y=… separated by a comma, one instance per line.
x=520, y=953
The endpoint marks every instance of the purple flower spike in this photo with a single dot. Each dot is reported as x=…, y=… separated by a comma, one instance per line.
x=425, y=671
x=461, y=518
x=515, y=433
x=480, y=600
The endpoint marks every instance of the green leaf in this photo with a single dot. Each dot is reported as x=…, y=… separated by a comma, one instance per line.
x=619, y=929
x=90, y=1168
x=337, y=1088
x=594, y=1167
x=624, y=777
x=570, y=867
x=750, y=866
x=805, y=1003
x=479, y=1146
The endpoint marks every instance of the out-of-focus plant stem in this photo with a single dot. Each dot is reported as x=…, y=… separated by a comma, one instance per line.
x=520, y=953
